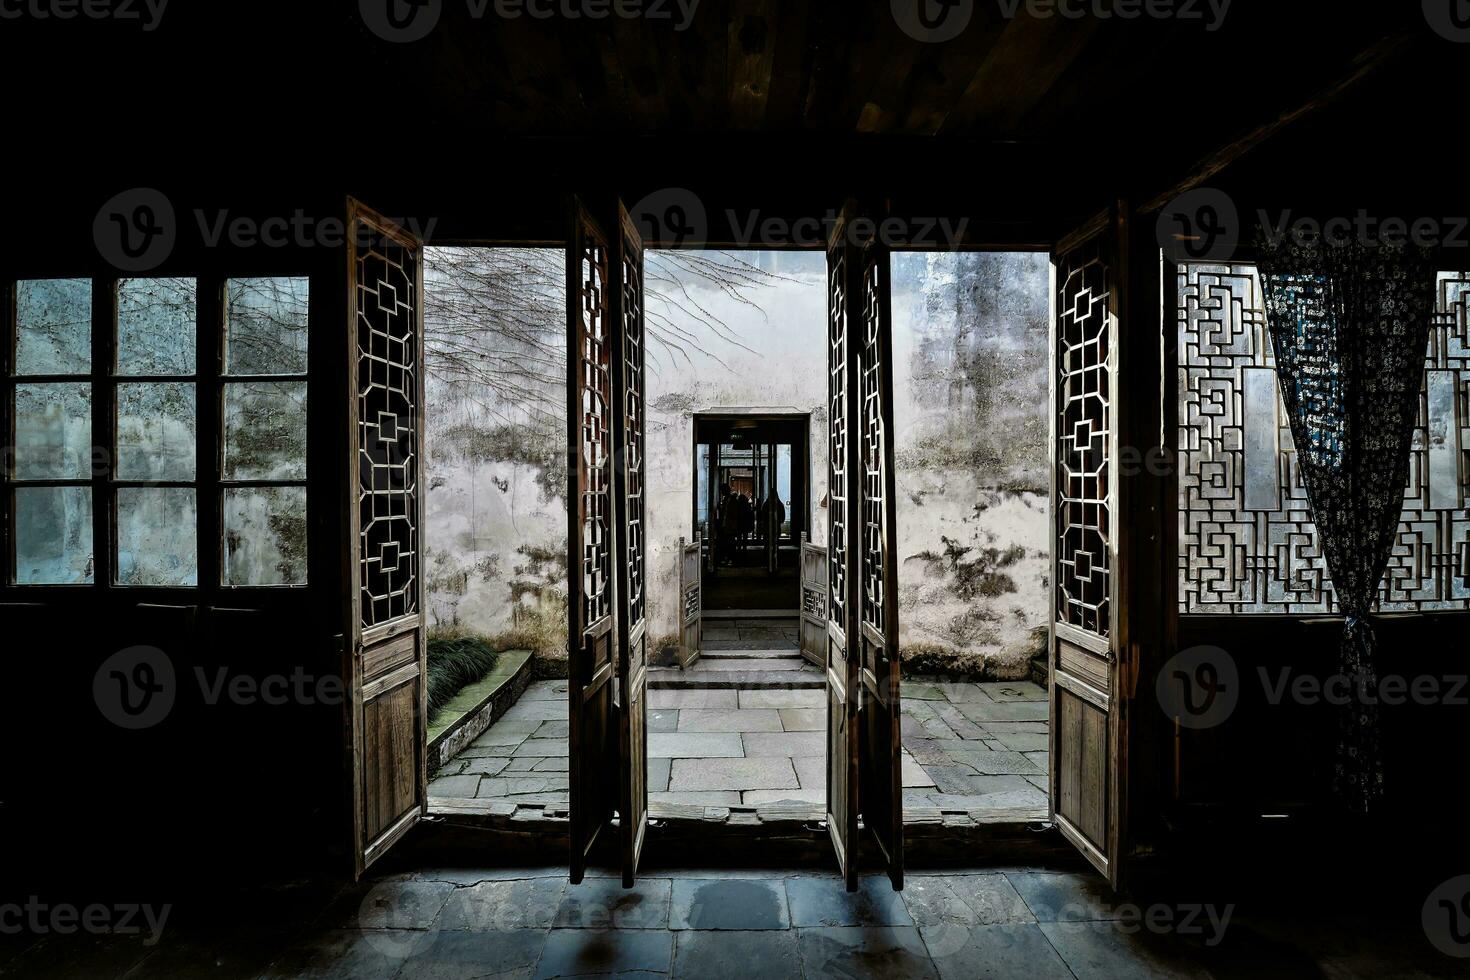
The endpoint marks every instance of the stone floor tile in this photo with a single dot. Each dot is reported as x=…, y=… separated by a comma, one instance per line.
x=757, y=797
x=603, y=903
x=783, y=699
x=511, y=953
x=1071, y=897
x=691, y=698
x=552, y=765
x=658, y=775
x=341, y=953
x=725, y=797
x=789, y=744
x=731, y=774
x=522, y=763
x=730, y=955
x=696, y=745
x=1014, y=691
x=1026, y=798
x=552, y=729
x=853, y=951
x=597, y=952
x=958, y=723
x=960, y=692
x=1023, y=741
x=784, y=664
x=663, y=719
x=552, y=690
x=497, y=736
x=914, y=775
x=524, y=710
x=494, y=787
x=811, y=771
x=543, y=747
x=917, y=710
x=964, y=900
x=1103, y=950
x=728, y=903
x=803, y=719
x=920, y=691
x=739, y=720
x=494, y=906
x=487, y=766
x=825, y=901
x=999, y=951
x=988, y=762
x=981, y=712
x=455, y=787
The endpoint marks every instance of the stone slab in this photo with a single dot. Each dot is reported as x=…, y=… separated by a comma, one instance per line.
x=696, y=745
x=739, y=720
x=731, y=774
x=790, y=744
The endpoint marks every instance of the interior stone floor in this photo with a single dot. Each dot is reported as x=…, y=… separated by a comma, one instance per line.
x=530, y=923
x=965, y=747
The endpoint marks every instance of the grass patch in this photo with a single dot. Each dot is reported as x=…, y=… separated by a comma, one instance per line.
x=455, y=662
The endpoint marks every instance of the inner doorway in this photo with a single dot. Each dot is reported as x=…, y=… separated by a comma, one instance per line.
x=751, y=500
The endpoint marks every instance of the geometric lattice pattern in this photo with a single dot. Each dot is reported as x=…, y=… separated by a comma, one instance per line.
x=388, y=430
x=874, y=499
x=632, y=311
x=1247, y=542
x=1084, y=439
x=837, y=435
x=594, y=421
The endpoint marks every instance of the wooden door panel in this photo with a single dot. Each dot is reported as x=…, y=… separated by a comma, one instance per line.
x=629, y=544
x=691, y=602
x=592, y=639
x=814, y=602
x=1086, y=727
x=880, y=779
x=843, y=544
x=386, y=661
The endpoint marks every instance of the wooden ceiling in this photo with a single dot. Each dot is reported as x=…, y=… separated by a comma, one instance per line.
x=756, y=97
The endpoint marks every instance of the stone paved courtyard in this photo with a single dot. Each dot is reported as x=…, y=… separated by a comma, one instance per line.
x=965, y=747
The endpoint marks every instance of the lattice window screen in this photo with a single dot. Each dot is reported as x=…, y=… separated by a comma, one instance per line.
x=1247, y=543
x=388, y=431
x=1084, y=440
x=596, y=387
x=837, y=434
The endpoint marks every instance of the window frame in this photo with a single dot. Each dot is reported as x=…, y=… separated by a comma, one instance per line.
x=209, y=379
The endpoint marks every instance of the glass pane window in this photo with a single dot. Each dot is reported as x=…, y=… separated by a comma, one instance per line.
x=53, y=326
x=53, y=431
x=157, y=323
x=157, y=542
x=265, y=326
x=53, y=535
x=265, y=430
x=155, y=432
x=265, y=536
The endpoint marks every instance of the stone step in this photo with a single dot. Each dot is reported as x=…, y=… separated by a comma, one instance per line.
x=742, y=663
x=695, y=678
x=763, y=654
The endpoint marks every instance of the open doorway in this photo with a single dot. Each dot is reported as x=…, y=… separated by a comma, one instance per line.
x=739, y=398
x=751, y=511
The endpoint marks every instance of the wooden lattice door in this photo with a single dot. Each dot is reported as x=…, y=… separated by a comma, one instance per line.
x=629, y=542
x=880, y=779
x=1086, y=652
x=386, y=661
x=592, y=639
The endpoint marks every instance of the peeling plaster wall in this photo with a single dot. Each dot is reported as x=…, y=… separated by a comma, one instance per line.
x=970, y=345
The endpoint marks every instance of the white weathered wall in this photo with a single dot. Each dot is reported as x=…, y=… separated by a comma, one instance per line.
x=970, y=389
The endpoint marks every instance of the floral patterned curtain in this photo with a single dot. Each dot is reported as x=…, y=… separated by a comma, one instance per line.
x=1349, y=325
